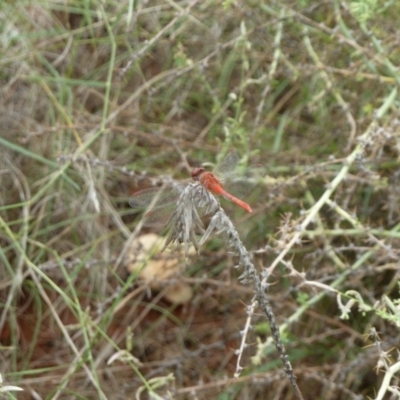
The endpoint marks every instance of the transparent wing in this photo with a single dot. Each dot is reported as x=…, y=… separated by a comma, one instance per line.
x=228, y=166
x=157, y=203
x=154, y=196
x=237, y=180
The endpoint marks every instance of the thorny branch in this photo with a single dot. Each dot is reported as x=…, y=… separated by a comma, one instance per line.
x=185, y=223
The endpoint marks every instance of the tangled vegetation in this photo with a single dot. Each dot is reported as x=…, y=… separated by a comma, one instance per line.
x=101, y=99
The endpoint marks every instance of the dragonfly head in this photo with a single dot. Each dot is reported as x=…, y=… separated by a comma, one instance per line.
x=196, y=173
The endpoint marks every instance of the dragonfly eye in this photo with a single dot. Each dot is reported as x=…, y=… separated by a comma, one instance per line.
x=196, y=173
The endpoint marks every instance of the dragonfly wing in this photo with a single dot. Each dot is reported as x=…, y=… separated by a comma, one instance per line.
x=227, y=166
x=154, y=197
x=158, y=203
x=241, y=184
x=238, y=180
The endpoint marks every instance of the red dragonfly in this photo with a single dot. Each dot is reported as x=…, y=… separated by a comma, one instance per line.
x=226, y=179
x=209, y=181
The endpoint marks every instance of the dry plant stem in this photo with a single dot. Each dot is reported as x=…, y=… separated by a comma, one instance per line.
x=363, y=141
x=328, y=247
x=184, y=224
x=35, y=272
x=357, y=225
x=273, y=68
x=24, y=193
x=390, y=372
x=330, y=86
x=162, y=32
x=313, y=212
x=96, y=132
x=250, y=313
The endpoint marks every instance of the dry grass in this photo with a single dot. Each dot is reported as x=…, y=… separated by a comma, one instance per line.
x=101, y=99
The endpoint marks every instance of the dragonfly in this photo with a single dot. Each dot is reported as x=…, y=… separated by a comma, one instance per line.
x=211, y=182
x=227, y=180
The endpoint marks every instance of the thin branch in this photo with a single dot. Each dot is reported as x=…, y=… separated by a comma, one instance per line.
x=185, y=223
